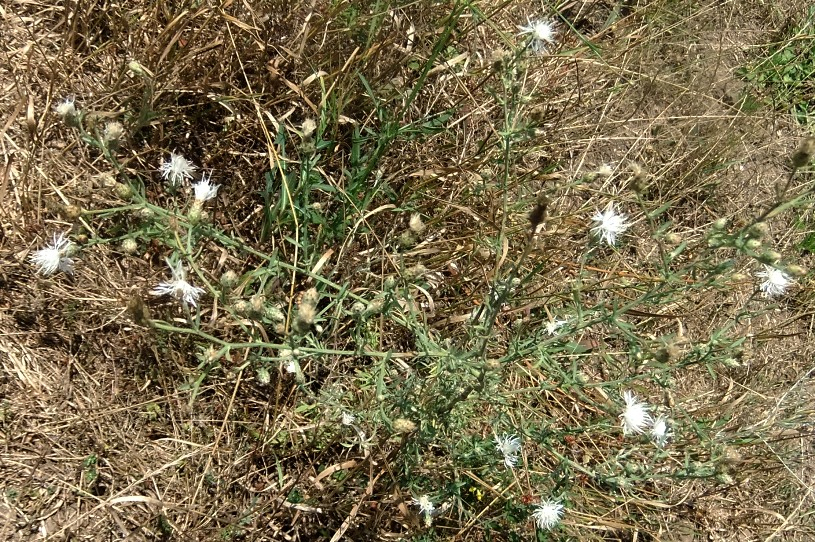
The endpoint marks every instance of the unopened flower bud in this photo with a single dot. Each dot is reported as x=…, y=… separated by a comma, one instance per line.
x=759, y=230
x=407, y=239
x=739, y=277
x=130, y=246
x=196, y=213
x=123, y=191
x=403, y=425
x=752, y=244
x=136, y=68
x=416, y=224
x=72, y=212
x=263, y=376
x=796, y=270
x=673, y=238
x=804, y=154
x=719, y=224
x=229, y=279
x=274, y=314
x=769, y=257
x=112, y=134
x=146, y=213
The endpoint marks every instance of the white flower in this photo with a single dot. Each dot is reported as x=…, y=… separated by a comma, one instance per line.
x=777, y=281
x=425, y=505
x=204, y=189
x=610, y=224
x=660, y=431
x=54, y=256
x=542, y=32
x=548, y=514
x=348, y=419
x=508, y=446
x=66, y=109
x=179, y=287
x=291, y=367
x=553, y=326
x=177, y=169
x=635, y=416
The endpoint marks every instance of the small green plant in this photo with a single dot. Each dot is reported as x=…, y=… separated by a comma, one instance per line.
x=786, y=73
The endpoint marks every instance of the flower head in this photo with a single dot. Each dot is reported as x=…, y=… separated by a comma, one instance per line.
x=548, y=514
x=348, y=418
x=177, y=169
x=610, y=224
x=660, y=431
x=425, y=505
x=204, y=189
x=635, y=416
x=178, y=287
x=542, y=33
x=54, y=256
x=553, y=326
x=508, y=446
x=776, y=282
x=66, y=109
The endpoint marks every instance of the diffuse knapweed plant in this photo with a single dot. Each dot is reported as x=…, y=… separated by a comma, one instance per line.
x=496, y=401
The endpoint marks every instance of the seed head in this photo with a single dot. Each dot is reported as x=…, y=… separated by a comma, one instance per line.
x=67, y=111
x=113, y=134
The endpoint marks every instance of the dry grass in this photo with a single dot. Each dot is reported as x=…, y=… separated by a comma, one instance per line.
x=123, y=424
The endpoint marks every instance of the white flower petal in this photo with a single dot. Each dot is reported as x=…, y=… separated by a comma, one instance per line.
x=548, y=514
x=660, y=431
x=54, y=256
x=635, y=417
x=204, y=189
x=177, y=169
x=425, y=505
x=776, y=282
x=542, y=33
x=179, y=287
x=509, y=446
x=610, y=224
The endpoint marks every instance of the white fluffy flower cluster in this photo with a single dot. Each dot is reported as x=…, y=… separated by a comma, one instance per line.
x=55, y=256
x=636, y=419
x=509, y=446
x=178, y=287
